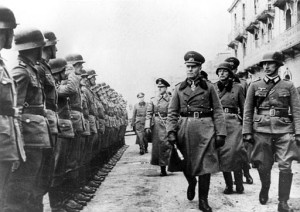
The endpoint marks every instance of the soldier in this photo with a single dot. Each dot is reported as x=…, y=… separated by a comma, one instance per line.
x=196, y=123
x=155, y=125
x=233, y=154
x=138, y=123
x=11, y=143
x=271, y=117
x=24, y=185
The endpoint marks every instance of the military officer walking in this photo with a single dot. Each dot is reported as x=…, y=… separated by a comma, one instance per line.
x=11, y=143
x=196, y=123
x=138, y=123
x=155, y=125
x=271, y=117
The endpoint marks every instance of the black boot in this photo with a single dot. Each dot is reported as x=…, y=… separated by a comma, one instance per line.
x=249, y=179
x=203, y=188
x=190, y=193
x=265, y=178
x=238, y=178
x=285, y=182
x=229, y=183
x=163, y=171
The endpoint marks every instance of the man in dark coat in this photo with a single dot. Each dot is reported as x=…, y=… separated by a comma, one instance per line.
x=196, y=123
x=271, y=117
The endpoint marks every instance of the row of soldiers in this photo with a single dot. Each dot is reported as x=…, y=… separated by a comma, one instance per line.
x=58, y=128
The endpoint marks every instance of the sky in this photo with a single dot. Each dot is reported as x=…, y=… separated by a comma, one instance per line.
x=129, y=43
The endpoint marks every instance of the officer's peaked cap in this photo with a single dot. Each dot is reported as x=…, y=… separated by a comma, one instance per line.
x=7, y=18
x=74, y=58
x=50, y=38
x=194, y=58
x=28, y=38
x=57, y=65
x=277, y=57
x=234, y=61
x=140, y=95
x=160, y=82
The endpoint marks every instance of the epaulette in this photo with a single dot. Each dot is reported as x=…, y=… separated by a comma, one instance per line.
x=256, y=80
x=153, y=97
x=178, y=83
x=22, y=64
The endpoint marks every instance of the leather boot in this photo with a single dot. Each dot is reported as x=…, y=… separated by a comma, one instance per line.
x=203, y=189
x=163, y=171
x=265, y=178
x=229, y=183
x=238, y=178
x=249, y=179
x=285, y=182
x=190, y=193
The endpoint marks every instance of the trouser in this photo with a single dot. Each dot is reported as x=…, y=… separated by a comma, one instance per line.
x=23, y=190
x=5, y=171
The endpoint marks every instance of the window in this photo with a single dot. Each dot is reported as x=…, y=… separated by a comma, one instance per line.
x=288, y=19
x=262, y=36
x=244, y=50
x=256, y=40
x=269, y=32
x=298, y=11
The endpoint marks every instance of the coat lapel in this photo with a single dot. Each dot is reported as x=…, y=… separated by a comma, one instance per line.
x=197, y=92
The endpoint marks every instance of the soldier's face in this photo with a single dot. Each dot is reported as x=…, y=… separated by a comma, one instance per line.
x=6, y=37
x=141, y=99
x=192, y=70
x=270, y=68
x=93, y=80
x=69, y=69
x=223, y=74
x=162, y=90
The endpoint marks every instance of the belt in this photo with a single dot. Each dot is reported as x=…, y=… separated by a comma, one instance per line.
x=34, y=110
x=51, y=107
x=77, y=109
x=161, y=114
x=231, y=110
x=274, y=112
x=9, y=111
x=197, y=114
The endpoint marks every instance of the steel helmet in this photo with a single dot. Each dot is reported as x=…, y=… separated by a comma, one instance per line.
x=233, y=61
x=226, y=66
x=277, y=57
x=57, y=65
x=7, y=18
x=29, y=38
x=74, y=58
x=50, y=38
x=91, y=73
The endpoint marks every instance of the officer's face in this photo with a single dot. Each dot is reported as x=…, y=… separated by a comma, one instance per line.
x=192, y=70
x=141, y=99
x=270, y=68
x=223, y=74
x=162, y=90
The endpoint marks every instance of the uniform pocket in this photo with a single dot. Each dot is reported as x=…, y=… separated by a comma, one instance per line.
x=6, y=95
x=66, y=128
x=52, y=120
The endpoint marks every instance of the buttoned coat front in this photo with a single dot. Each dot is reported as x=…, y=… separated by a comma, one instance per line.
x=138, y=120
x=196, y=136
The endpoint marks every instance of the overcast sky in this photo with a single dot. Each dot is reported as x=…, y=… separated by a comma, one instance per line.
x=129, y=42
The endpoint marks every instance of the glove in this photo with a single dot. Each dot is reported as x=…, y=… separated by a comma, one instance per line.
x=172, y=138
x=220, y=141
x=133, y=127
x=15, y=166
x=297, y=139
x=148, y=131
x=248, y=138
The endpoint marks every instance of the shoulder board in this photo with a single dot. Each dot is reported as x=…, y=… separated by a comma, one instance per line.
x=22, y=64
x=256, y=80
x=153, y=97
x=286, y=80
x=178, y=83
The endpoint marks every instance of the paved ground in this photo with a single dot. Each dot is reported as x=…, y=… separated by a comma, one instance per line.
x=135, y=186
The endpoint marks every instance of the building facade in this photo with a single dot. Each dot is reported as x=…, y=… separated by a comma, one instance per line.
x=260, y=26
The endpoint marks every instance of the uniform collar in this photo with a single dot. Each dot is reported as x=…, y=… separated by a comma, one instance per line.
x=142, y=103
x=275, y=79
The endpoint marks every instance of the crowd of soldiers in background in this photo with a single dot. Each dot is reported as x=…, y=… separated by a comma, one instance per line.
x=61, y=133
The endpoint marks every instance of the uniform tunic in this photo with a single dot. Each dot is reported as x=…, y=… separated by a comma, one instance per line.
x=272, y=131
x=233, y=153
x=156, y=117
x=138, y=120
x=196, y=136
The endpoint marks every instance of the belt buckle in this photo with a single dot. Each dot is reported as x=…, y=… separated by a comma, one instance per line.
x=272, y=112
x=196, y=115
x=226, y=110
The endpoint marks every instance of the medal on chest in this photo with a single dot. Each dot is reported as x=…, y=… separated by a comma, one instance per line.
x=193, y=87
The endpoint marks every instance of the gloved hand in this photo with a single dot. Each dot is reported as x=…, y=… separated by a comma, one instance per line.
x=172, y=138
x=248, y=138
x=220, y=141
x=15, y=165
x=148, y=131
x=297, y=139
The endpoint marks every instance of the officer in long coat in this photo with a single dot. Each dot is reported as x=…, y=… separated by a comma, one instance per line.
x=233, y=154
x=196, y=123
x=271, y=117
x=155, y=125
x=11, y=143
x=138, y=123
x=23, y=186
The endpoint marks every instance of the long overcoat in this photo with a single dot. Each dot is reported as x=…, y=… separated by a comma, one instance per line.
x=196, y=136
x=233, y=153
x=138, y=120
x=156, y=118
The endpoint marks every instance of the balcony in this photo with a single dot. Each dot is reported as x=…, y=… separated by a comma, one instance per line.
x=238, y=34
x=233, y=44
x=288, y=42
x=252, y=27
x=281, y=3
x=265, y=15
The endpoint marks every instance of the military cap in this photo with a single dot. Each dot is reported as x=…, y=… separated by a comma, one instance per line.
x=140, y=95
x=57, y=65
x=7, y=18
x=74, y=58
x=83, y=73
x=160, y=82
x=233, y=61
x=50, y=38
x=29, y=38
x=193, y=58
x=277, y=57
x=91, y=73
x=224, y=65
